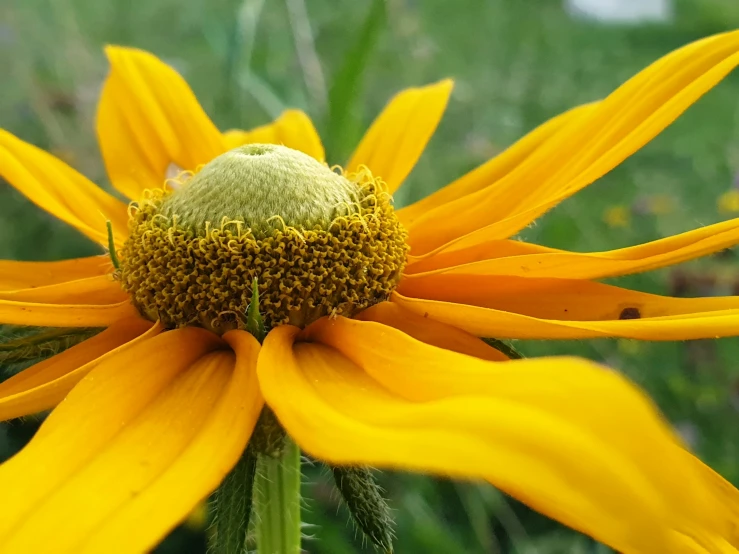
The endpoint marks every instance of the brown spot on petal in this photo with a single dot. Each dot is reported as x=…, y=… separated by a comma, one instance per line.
x=630, y=313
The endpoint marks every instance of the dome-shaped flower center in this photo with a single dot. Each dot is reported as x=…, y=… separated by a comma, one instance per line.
x=318, y=243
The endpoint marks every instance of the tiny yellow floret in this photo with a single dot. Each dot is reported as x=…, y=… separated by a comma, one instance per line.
x=728, y=202
x=617, y=217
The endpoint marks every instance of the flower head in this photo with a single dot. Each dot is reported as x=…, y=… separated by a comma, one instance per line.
x=372, y=355
x=316, y=242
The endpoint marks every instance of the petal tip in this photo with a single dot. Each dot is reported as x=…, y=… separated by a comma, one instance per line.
x=117, y=53
x=447, y=83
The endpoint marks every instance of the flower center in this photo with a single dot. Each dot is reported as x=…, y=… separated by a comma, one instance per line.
x=317, y=242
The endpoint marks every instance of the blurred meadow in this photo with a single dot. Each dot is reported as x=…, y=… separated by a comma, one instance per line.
x=516, y=63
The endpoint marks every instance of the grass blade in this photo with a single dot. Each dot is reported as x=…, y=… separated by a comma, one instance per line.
x=343, y=123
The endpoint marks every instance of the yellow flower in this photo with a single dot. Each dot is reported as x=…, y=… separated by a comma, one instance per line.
x=660, y=204
x=728, y=202
x=149, y=419
x=617, y=216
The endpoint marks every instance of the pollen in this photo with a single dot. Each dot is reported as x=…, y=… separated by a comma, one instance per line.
x=319, y=243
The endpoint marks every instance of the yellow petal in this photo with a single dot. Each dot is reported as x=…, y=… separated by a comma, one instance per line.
x=64, y=315
x=395, y=141
x=198, y=470
x=460, y=253
x=498, y=167
x=93, y=301
x=485, y=260
x=571, y=439
x=293, y=129
x=25, y=275
x=102, y=289
x=149, y=118
x=60, y=190
x=429, y=331
x=558, y=299
x=45, y=384
x=586, y=150
x=490, y=322
x=136, y=445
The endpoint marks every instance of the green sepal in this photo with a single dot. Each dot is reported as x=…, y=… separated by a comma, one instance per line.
x=22, y=345
x=505, y=348
x=254, y=321
x=268, y=437
x=231, y=506
x=366, y=504
x=111, y=246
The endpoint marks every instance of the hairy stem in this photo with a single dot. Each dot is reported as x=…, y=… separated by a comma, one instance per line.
x=277, y=502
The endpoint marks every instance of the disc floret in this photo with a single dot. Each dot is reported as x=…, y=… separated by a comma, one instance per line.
x=317, y=242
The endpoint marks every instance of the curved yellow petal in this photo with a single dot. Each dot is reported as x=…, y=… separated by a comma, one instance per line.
x=149, y=118
x=461, y=254
x=496, y=168
x=397, y=138
x=586, y=150
x=92, y=301
x=199, y=469
x=558, y=299
x=428, y=331
x=570, y=438
x=25, y=275
x=101, y=289
x=45, y=384
x=543, y=262
x=64, y=315
x=293, y=129
x=144, y=437
x=60, y=190
x=490, y=322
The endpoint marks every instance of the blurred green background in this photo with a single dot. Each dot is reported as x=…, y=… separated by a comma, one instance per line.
x=516, y=63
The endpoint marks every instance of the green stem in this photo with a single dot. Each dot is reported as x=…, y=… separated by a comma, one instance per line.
x=277, y=502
